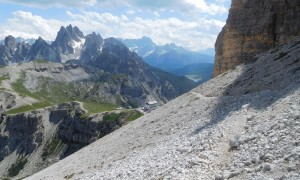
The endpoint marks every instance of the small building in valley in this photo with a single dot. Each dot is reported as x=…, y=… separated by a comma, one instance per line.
x=151, y=105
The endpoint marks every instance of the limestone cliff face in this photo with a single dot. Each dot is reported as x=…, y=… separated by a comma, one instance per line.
x=253, y=27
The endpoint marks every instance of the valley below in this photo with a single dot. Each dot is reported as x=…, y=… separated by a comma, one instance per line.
x=56, y=99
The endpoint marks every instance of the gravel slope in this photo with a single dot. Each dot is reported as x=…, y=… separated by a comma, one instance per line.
x=244, y=124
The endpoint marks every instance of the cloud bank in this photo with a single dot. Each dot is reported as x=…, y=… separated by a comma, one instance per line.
x=193, y=24
x=209, y=6
x=195, y=35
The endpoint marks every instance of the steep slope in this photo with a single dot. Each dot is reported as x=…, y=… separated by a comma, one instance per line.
x=253, y=27
x=243, y=124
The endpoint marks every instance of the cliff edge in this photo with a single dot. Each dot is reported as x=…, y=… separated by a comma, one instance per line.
x=253, y=27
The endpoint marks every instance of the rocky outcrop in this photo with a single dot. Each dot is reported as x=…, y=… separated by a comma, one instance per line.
x=253, y=27
x=21, y=133
x=12, y=51
x=43, y=137
x=7, y=100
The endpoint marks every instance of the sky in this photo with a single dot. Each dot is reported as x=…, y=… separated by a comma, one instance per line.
x=193, y=24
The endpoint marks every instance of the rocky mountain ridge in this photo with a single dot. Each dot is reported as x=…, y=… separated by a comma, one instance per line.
x=20, y=39
x=137, y=81
x=68, y=45
x=253, y=27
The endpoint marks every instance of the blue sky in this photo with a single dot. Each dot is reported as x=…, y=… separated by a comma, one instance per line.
x=193, y=24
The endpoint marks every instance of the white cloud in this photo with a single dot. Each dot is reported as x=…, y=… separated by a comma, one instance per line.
x=204, y=7
x=130, y=12
x=53, y=3
x=195, y=35
x=27, y=25
x=222, y=1
x=179, y=5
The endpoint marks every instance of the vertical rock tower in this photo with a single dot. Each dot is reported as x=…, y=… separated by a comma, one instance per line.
x=253, y=27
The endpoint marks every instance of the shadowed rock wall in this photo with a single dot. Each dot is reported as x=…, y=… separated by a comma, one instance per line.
x=253, y=27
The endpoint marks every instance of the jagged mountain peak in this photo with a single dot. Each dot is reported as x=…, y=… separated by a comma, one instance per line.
x=117, y=47
x=114, y=41
x=9, y=39
x=40, y=39
x=92, y=46
x=68, y=43
x=94, y=36
x=41, y=50
x=69, y=26
x=75, y=32
x=10, y=42
x=40, y=42
x=13, y=51
x=68, y=34
x=147, y=39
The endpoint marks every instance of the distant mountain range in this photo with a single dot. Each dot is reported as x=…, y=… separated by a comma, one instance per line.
x=71, y=44
x=167, y=57
x=130, y=80
x=170, y=57
x=20, y=39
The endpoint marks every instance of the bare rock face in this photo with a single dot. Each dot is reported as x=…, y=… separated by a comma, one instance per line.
x=13, y=51
x=253, y=27
x=22, y=133
x=40, y=138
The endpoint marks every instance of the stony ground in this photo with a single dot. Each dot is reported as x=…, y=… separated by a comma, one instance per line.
x=244, y=124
